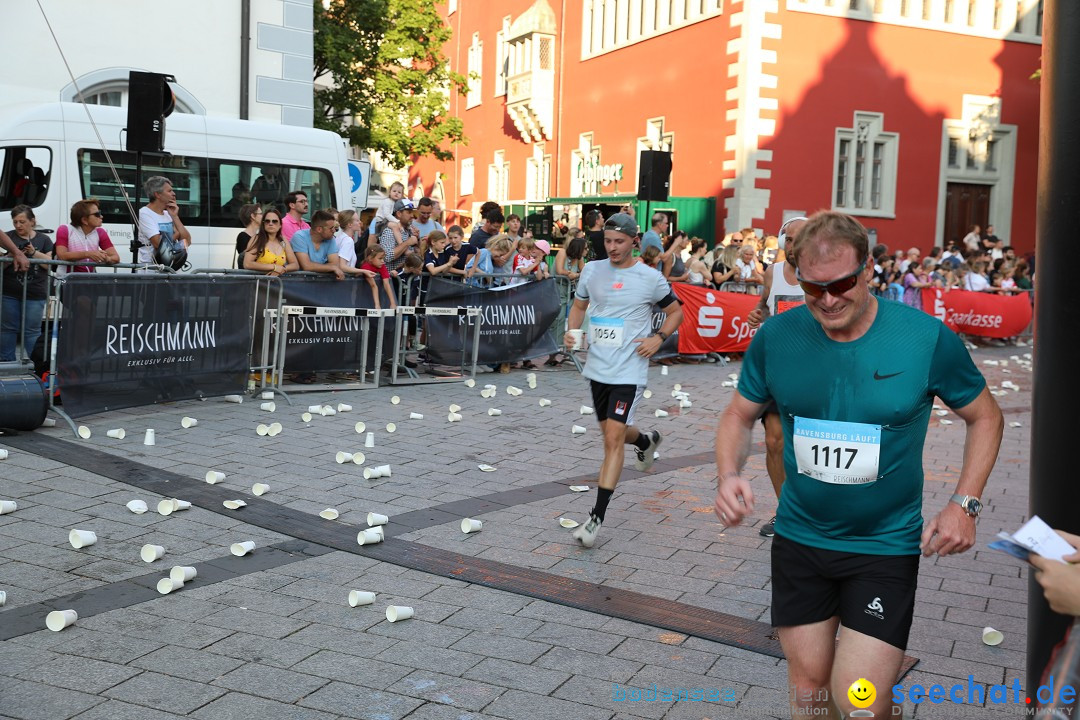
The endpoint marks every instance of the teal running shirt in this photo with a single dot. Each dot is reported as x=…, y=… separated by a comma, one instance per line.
x=855, y=416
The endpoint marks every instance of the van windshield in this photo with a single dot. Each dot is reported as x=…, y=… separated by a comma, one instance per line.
x=25, y=172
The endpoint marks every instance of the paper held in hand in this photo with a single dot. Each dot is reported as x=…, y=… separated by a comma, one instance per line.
x=1035, y=536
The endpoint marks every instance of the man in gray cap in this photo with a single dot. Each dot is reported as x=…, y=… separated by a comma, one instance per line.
x=618, y=293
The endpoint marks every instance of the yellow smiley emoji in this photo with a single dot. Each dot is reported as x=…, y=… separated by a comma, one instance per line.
x=862, y=693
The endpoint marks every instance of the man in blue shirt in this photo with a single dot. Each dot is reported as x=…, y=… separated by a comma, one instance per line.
x=849, y=528
x=315, y=248
x=655, y=236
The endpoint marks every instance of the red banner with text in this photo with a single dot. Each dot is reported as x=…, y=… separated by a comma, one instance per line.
x=979, y=313
x=713, y=321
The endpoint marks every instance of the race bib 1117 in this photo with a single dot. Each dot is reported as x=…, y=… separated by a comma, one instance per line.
x=840, y=453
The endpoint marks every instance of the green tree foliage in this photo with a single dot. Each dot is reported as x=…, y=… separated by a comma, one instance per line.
x=390, y=83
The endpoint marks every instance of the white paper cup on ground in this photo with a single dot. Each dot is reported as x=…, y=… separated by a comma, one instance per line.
x=515, y=391
x=358, y=458
x=494, y=411
x=663, y=369
x=8, y=506
x=374, y=519
x=242, y=548
x=391, y=427
x=167, y=585
x=360, y=427
x=453, y=417
x=84, y=432
x=395, y=400
x=268, y=406
x=166, y=507
x=471, y=525
x=275, y=429
x=178, y=505
x=82, y=538
x=327, y=411
x=369, y=536
x=188, y=422
x=586, y=410
x=992, y=637
x=150, y=553
x=344, y=407
x=213, y=476
x=315, y=409
x=262, y=430
x=329, y=514
x=416, y=416
x=455, y=408
x=661, y=413
x=234, y=504
x=234, y=398
x=343, y=457
x=259, y=489
x=577, y=335
x=360, y=597
x=369, y=440
x=647, y=394
x=486, y=468
x=148, y=438
x=137, y=506
x=118, y=433
x=544, y=402
x=48, y=422
x=57, y=620
x=579, y=488
x=267, y=395
x=377, y=472
x=685, y=403
x=3, y=598
x=470, y=383
x=183, y=573
x=398, y=612
x=577, y=430
x=305, y=416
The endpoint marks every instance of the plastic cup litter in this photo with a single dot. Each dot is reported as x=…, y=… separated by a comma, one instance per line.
x=329, y=514
x=416, y=416
x=398, y=612
x=586, y=410
x=494, y=411
x=369, y=536
x=137, y=506
x=82, y=538
x=148, y=438
x=360, y=597
x=84, y=432
x=188, y=422
x=577, y=430
x=343, y=457
x=149, y=553
x=57, y=620
x=242, y=548
x=374, y=518
x=259, y=489
x=183, y=573
x=213, y=476
x=167, y=585
x=118, y=433
x=268, y=406
x=234, y=398
x=360, y=427
x=471, y=525
x=8, y=506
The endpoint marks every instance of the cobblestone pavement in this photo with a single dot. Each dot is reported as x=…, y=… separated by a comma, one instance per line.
x=272, y=635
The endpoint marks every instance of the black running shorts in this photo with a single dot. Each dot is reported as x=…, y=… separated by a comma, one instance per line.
x=872, y=594
x=615, y=402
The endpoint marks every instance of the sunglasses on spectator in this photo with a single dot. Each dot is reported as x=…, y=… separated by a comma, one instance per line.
x=271, y=221
x=836, y=288
x=97, y=214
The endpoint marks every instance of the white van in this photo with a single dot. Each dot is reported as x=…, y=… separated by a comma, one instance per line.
x=50, y=157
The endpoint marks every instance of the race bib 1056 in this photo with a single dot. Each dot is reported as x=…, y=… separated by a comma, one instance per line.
x=606, y=331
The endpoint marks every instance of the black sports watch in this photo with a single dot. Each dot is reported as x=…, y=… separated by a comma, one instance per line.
x=971, y=504
x=661, y=334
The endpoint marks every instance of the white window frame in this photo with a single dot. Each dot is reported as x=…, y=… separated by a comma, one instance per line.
x=878, y=163
x=499, y=178
x=538, y=174
x=609, y=25
x=502, y=57
x=468, y=177
x=476, y=64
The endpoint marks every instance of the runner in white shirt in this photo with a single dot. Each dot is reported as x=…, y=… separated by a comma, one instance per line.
x=618, y=293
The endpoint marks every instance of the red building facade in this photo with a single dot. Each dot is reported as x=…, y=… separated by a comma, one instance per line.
x=919, y=117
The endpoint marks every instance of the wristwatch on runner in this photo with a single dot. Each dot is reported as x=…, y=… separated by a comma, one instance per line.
x=662, y=335
x=971, y=504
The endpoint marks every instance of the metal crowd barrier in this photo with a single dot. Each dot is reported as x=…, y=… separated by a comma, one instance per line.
x=401, y=336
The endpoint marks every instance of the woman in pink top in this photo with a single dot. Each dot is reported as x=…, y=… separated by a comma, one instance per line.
x=85, y=239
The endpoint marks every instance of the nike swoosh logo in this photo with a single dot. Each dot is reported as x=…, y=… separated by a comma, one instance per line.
x=883, y=377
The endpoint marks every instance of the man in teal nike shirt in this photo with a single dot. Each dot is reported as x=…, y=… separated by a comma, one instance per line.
x=849, y=527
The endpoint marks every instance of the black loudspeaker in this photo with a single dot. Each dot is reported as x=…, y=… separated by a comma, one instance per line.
x=150, y=101
x=654, y=178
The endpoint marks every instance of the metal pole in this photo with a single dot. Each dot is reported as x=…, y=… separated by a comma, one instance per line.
x=138, y=194
x=245, y=56
x=1054, y=494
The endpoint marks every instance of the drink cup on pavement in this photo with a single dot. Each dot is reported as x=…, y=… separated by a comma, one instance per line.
x=374, y=518
x=183, y=573
x=470, y=383
x=544, y=402
x=305, y=416
x=188, y=422
x=267, y=395
x=360, y=427
x=274, y=429
x=213, y=476
x=358, y=458
x=586, y=410
x=180, y=505
x=344, y=407
x=315, y=409
x=343, y=457
x=150, y=553
x=494, y=411
x=57, y=620
x=262, y=430
x=8, y=506
x=471, y=525
x=117, y=434
x=3, y=598
x=148, y=438
x=990, y=636
x=360, y=597
x=242, y=548
x=369, y=441
x=82, y=538
x=416, y=416
x=268, y=406
x=369, y=536
x=661, y=413
x=137, y=506
x=84, y=432
x=577, y=430
x=391, y=427
x=167, y=585
x=259, y=488
x=234, y=398
x=329, y=514
x=48, y=422
x=398, y=612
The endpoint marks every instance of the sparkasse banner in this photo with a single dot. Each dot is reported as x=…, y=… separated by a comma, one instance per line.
x=979, y=313
x=713, y=321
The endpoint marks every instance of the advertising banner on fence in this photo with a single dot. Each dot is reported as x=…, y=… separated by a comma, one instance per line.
x=979, y=313
x=713, y=321
x=131, y=340
x=328, y=343
x=514, y=321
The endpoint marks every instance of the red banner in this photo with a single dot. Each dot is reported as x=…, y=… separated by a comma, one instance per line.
x=713, y=321
x=979, y=313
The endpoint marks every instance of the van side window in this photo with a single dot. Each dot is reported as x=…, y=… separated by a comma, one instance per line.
x=24, y=175
x=234, y=183
x=186, y=174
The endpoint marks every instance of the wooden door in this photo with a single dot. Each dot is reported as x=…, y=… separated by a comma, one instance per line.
x=966, y=204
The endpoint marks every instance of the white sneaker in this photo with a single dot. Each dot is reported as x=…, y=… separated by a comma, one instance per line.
x=587, y=533
x=646, y=457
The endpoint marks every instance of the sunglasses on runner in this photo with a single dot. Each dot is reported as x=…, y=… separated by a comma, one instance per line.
x=836, y=288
